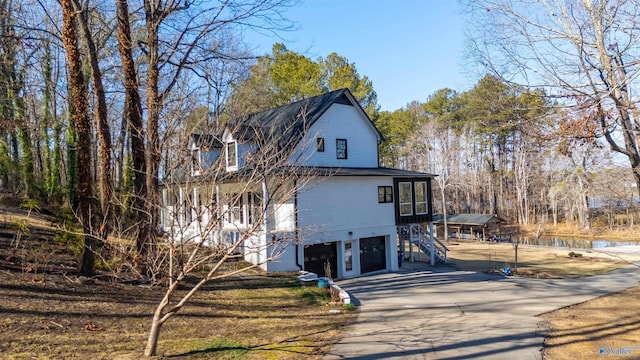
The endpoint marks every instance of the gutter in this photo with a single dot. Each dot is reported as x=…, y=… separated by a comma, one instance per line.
x=297, y=235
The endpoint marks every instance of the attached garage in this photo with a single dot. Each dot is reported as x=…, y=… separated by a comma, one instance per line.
x=317, y=256
x=372, y=254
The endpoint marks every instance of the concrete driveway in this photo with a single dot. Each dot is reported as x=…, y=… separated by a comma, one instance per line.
x=441, y=313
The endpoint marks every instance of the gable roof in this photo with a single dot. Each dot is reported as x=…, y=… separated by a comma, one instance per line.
x=466, y=219
x=205, y=141
x=288, y=123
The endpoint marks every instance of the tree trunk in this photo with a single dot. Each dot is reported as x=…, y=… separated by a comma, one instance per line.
x=104, y=133
x=133, y=106
x=46, y=124
x=26, y=162
x=72, y=154
x=58, y=161
x=154, y=334
x=153, y=18
x=80, y=118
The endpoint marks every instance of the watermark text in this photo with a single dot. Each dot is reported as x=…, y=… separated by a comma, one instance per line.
x=618, y=351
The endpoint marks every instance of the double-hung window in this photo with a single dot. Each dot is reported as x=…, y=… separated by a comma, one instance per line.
x=232, y=154
x=254, y=201
x=237, y=209
x=341, y=148
x=385, y=194
x=406, y=198
x=195, y=160
x=421, y=197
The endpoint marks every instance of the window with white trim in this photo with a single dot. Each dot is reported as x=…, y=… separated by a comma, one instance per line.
x=254, y=201
x=421, y=197
x=406, y=198
x=188, y=206
x=232, y=154
x=195, y=160
x=237, y=213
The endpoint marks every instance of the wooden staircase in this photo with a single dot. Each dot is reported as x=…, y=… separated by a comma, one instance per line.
x=422, y=238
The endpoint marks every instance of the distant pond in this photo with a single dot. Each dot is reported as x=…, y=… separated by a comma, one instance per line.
x=575, y=243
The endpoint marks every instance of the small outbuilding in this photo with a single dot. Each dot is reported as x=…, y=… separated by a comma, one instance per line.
x=483, y=227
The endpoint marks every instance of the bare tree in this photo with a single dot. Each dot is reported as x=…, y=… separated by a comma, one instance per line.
x=204, y=208
x=193, y=27
x=585, y=52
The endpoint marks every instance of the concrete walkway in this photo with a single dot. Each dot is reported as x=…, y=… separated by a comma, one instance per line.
x=441, y=313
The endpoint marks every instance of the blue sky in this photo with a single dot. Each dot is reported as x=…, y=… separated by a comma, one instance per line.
x=408, y=48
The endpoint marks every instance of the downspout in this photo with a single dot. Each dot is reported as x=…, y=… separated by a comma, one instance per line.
x=265, y=207
x=219, y=214
x=297, y=232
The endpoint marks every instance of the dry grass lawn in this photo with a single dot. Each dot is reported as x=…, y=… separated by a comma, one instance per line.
x=609, y=324
x=47, y=313
x=535, y=261
x=255, y=316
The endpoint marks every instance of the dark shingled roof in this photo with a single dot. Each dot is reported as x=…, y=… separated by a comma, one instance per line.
x=466, y=219
x=323, y=171
x=205, y=140
x=379, y=171
x=288, y=123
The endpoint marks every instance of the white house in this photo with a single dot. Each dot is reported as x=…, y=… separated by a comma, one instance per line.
x=302, y=179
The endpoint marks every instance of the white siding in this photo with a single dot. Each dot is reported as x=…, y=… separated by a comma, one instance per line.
x=330, y=208
x=284, y=216
x=286, y=262
x=339, y=122
x=208, y=157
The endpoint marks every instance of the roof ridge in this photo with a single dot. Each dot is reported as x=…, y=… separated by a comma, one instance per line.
x=327, y=94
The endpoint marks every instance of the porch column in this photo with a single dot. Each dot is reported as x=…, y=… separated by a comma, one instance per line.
x=411, y=257
x=265, y=208
x=163, y=209
x=432, y=257
x=218, y=214
x=181, y=215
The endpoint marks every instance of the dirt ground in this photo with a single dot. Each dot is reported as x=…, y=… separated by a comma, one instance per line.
x=48, y=312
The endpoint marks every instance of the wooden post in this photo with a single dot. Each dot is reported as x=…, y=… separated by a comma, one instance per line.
x=432, y=256
x=515, y=265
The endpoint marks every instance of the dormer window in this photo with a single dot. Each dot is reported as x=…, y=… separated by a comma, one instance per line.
x=232, y=154
x=195, y=160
